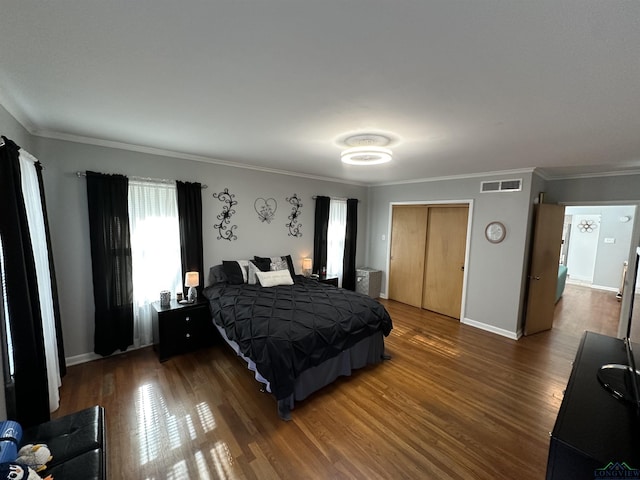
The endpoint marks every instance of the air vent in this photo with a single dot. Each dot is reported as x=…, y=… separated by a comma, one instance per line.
x=501, y=186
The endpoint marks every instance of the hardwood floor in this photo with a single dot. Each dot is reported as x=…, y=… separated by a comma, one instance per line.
x=454, y=402
x=584, y=308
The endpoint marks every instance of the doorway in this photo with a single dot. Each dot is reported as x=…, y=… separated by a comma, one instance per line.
x=596, y=244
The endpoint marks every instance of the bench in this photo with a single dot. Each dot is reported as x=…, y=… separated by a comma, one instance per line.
x=77, y=442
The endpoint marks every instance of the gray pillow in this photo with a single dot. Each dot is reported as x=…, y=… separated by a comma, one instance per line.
x=217, y=275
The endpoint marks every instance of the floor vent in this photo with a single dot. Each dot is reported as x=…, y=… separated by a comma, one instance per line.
x=501, y=186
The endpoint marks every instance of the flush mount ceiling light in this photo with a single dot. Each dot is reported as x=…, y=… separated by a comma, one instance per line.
x=366, y=149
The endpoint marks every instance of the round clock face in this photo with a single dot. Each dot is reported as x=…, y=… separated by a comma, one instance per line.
x=495, y=232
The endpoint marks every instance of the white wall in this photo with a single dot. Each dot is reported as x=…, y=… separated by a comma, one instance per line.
x=609, y=257
x=68, y=215
x=10, y=128
x=495, y=272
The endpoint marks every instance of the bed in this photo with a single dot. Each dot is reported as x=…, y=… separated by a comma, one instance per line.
x=298, y=336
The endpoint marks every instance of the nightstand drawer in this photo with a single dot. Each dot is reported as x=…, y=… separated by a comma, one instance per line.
x=181, y=328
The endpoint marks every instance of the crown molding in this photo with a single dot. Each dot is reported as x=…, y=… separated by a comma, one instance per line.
x=181, y=155
x=7, y=102
x=518, y=171
x=577, y=176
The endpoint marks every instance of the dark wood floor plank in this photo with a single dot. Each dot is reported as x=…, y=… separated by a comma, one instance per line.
x=454, y=402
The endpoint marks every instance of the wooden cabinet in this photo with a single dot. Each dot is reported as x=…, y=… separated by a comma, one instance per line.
x=181, y=328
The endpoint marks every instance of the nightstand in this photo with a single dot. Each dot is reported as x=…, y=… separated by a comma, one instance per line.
x=329, y=280
x=181, y=328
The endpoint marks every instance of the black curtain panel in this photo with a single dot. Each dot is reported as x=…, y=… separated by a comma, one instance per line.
x=107, y=198
x=349, y=259
x=190, y=219
x=54, y=284
x=321, y=226
x=30, y=389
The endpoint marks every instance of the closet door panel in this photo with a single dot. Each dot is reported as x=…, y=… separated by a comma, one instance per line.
x=444, y=259
x=406, y=266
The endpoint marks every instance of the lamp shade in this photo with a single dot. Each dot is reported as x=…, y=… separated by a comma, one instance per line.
x=192, y=279
x=307, y=264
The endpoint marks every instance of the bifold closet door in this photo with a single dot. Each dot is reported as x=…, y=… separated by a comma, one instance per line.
x=406, y=265
x=444, y=259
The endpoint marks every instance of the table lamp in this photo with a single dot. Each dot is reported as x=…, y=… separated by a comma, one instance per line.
x=192, y=280
x=307, y=265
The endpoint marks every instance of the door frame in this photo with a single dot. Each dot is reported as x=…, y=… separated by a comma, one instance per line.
x=625, y=302
x=469, y=203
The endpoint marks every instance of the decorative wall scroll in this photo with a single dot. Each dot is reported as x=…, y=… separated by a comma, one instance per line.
x=266, y=209
x=293, y=225
x=225, y=233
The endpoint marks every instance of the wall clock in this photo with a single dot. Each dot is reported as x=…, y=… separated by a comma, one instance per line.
x=495, y=232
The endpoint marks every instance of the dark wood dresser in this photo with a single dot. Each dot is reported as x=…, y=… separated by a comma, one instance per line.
x=594, y=432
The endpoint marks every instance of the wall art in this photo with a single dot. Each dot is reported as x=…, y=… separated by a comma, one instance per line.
x=294, y=226
x=266, y=209
x=224, y=232
x=587, y=226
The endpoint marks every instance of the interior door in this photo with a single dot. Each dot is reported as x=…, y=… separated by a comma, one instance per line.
x=445, y=254
x=406, y=265
x=543, y=272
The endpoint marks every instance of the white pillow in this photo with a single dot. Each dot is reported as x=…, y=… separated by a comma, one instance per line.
x=251, y=278
x=274, y=277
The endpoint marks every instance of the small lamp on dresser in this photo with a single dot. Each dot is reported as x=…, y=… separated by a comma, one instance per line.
x=192, y=280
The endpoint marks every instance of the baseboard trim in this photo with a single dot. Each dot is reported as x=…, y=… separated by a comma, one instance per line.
x=90, y=357
x=493, y=329
x=608, y=289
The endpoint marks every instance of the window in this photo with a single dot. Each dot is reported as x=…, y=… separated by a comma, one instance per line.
x=155, y=250
x=335, y=238
x=5, y=316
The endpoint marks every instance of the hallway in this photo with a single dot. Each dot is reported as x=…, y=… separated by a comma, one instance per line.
x=583, y=308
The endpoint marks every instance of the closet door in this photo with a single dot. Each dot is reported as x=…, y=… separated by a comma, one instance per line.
x=406, y=265
x=444, y=264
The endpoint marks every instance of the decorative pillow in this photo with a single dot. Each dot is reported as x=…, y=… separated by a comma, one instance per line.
x=263, y=264
x=236, y=271
x=274, y=278
x=278, y=264
x=275, y=260
x=253, y=269
x=217, y=275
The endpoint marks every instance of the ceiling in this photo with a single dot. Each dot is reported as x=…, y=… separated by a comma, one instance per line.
x=460, y=86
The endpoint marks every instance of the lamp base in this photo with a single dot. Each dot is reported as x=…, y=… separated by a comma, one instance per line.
x=192, y=295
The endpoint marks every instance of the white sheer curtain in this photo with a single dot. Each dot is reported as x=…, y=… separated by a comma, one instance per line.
x=35, y=219
x=335, y=238
x=155, y=250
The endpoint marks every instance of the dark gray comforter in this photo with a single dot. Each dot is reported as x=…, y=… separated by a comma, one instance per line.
x=288, y=329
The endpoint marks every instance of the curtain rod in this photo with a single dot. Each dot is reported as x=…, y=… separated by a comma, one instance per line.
x=151, y=179
x=332, y=198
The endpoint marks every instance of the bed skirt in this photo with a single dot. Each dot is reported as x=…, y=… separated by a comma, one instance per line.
x=367, y=351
